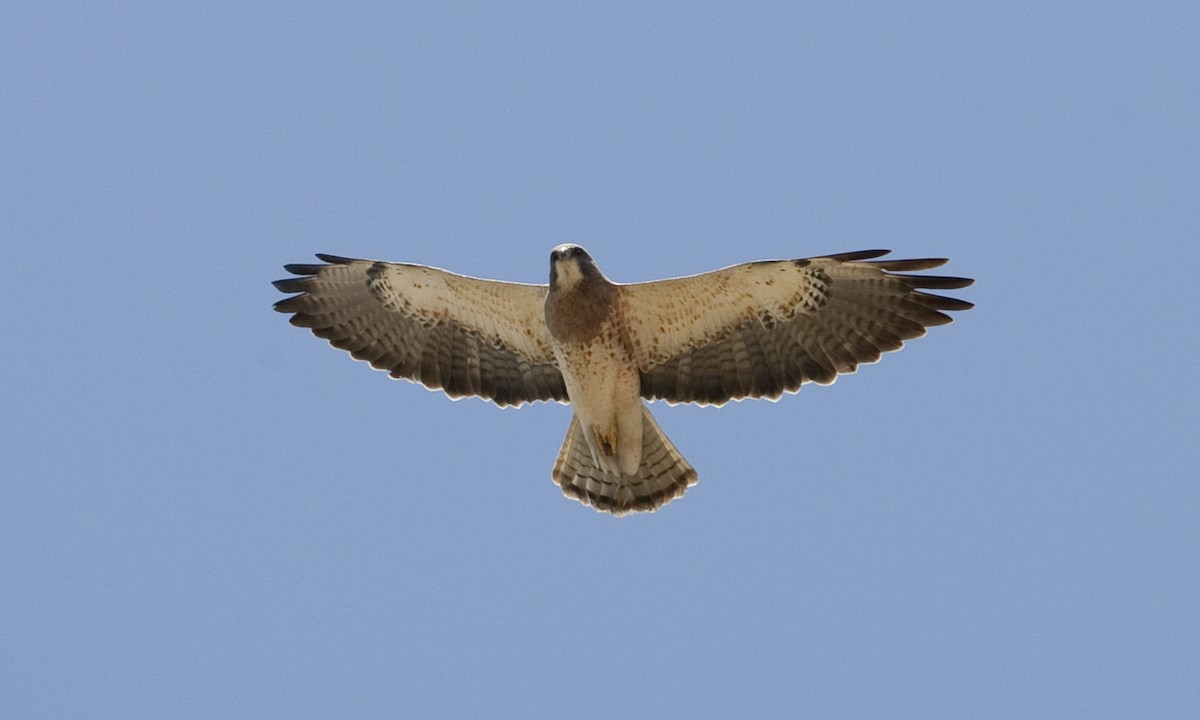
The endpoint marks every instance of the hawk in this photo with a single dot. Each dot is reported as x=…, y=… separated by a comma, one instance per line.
x=755, y=330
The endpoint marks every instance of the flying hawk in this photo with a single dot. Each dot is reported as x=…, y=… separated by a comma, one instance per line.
x=754, y=330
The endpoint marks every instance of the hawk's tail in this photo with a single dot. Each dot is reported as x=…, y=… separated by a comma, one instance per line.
x=663, y=475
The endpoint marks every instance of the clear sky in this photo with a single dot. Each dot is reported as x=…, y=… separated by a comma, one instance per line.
x=208, y=513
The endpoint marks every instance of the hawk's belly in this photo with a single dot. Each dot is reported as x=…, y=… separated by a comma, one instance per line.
x=605, y=389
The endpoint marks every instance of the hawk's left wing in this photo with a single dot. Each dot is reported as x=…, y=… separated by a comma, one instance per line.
x=764, y=328
x=465, y=335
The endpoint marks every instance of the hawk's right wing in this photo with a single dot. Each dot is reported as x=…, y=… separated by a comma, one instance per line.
x=467, y=336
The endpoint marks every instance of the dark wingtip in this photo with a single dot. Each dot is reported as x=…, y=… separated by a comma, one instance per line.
x=303, y=268
x=291, y=285
x=282, y=306
x=857, y=255
x=935, y=282
x=335, y=259
x=909, y=265
x=941, y=302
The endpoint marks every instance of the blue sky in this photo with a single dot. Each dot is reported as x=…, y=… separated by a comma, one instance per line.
x=207, y=513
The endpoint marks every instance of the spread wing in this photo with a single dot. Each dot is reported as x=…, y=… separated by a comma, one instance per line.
x=464, y=335
x=764, y=328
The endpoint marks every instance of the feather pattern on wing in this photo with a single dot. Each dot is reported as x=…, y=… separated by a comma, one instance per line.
x=467, y=336
x=764, y=328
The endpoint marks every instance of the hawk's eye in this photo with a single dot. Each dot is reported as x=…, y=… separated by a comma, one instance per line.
x=576, y=251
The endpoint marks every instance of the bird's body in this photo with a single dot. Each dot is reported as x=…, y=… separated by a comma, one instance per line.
x=752, y=330
x=612, y=433
x=591, y=344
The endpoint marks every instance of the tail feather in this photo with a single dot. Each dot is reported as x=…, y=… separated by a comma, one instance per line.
x=663, y=475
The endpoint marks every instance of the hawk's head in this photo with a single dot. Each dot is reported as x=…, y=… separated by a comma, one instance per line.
x=569, y=264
